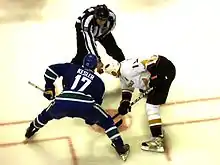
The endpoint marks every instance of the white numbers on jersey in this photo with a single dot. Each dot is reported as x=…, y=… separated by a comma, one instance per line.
x=136, y=61
x=83, y=79
x=135, y=64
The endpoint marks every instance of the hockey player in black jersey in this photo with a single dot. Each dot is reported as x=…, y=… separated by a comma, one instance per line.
x=96, y=24
x=81, y=97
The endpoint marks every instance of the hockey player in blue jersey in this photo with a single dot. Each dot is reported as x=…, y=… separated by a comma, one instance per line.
x=81, y=97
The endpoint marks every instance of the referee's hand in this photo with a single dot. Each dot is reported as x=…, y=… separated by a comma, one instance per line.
x=100, y=68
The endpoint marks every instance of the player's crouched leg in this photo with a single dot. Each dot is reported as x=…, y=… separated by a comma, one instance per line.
x=42, y=119
x=106, y=122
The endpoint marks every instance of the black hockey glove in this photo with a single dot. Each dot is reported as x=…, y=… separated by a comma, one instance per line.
x=49, y=93
x=124, y=107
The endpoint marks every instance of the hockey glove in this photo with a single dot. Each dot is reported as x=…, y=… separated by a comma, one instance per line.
x=49, y=93
x=124, y=107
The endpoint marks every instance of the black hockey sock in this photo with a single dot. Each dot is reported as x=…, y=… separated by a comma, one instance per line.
x=156, y=130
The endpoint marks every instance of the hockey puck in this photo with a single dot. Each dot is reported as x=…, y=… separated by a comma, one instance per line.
x=126, y=122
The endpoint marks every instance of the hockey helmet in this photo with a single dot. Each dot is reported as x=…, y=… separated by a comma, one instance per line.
x=101, y=12
x=90, y=61
x=112, y=68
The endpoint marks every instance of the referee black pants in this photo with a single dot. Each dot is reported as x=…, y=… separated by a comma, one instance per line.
x=108, y=42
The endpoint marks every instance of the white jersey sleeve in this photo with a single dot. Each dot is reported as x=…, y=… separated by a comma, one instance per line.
x=132, y=72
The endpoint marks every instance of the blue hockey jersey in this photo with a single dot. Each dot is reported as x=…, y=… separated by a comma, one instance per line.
x=76, y=79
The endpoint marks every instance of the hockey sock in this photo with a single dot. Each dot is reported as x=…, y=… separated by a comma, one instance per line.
x=41, y=119
x=156, y=131
x=154, y=119
x=114, y=135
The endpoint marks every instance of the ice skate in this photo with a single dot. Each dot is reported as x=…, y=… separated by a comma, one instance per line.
x=123, y=152
x=155, y=145
x=30, y=132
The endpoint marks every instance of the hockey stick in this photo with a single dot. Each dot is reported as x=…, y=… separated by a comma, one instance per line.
x=132, y=103
x=32, y=84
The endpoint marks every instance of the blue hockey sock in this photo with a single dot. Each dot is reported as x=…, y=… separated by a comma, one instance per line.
x=41, y=119
x=114, y=135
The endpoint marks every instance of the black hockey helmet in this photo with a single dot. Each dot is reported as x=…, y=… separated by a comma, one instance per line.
x=101, y=12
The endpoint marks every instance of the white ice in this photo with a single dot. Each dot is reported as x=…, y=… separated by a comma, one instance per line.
x=35, y=34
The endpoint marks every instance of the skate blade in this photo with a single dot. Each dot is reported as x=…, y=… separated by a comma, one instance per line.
x=125, y=156
x=158, y=150
x=26, y=141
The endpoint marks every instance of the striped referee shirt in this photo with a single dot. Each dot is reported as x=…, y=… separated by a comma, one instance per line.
x=92, y=31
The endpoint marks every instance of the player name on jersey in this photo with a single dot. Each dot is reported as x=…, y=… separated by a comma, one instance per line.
x=85, y=73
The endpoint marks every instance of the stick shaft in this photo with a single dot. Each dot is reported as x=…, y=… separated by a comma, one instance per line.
x=34, y=85
x=136, y=100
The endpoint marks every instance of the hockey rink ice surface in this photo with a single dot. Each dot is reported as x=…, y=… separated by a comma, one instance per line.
x=34, y=35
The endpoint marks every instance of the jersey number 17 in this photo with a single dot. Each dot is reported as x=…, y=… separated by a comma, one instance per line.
x=80, y=78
